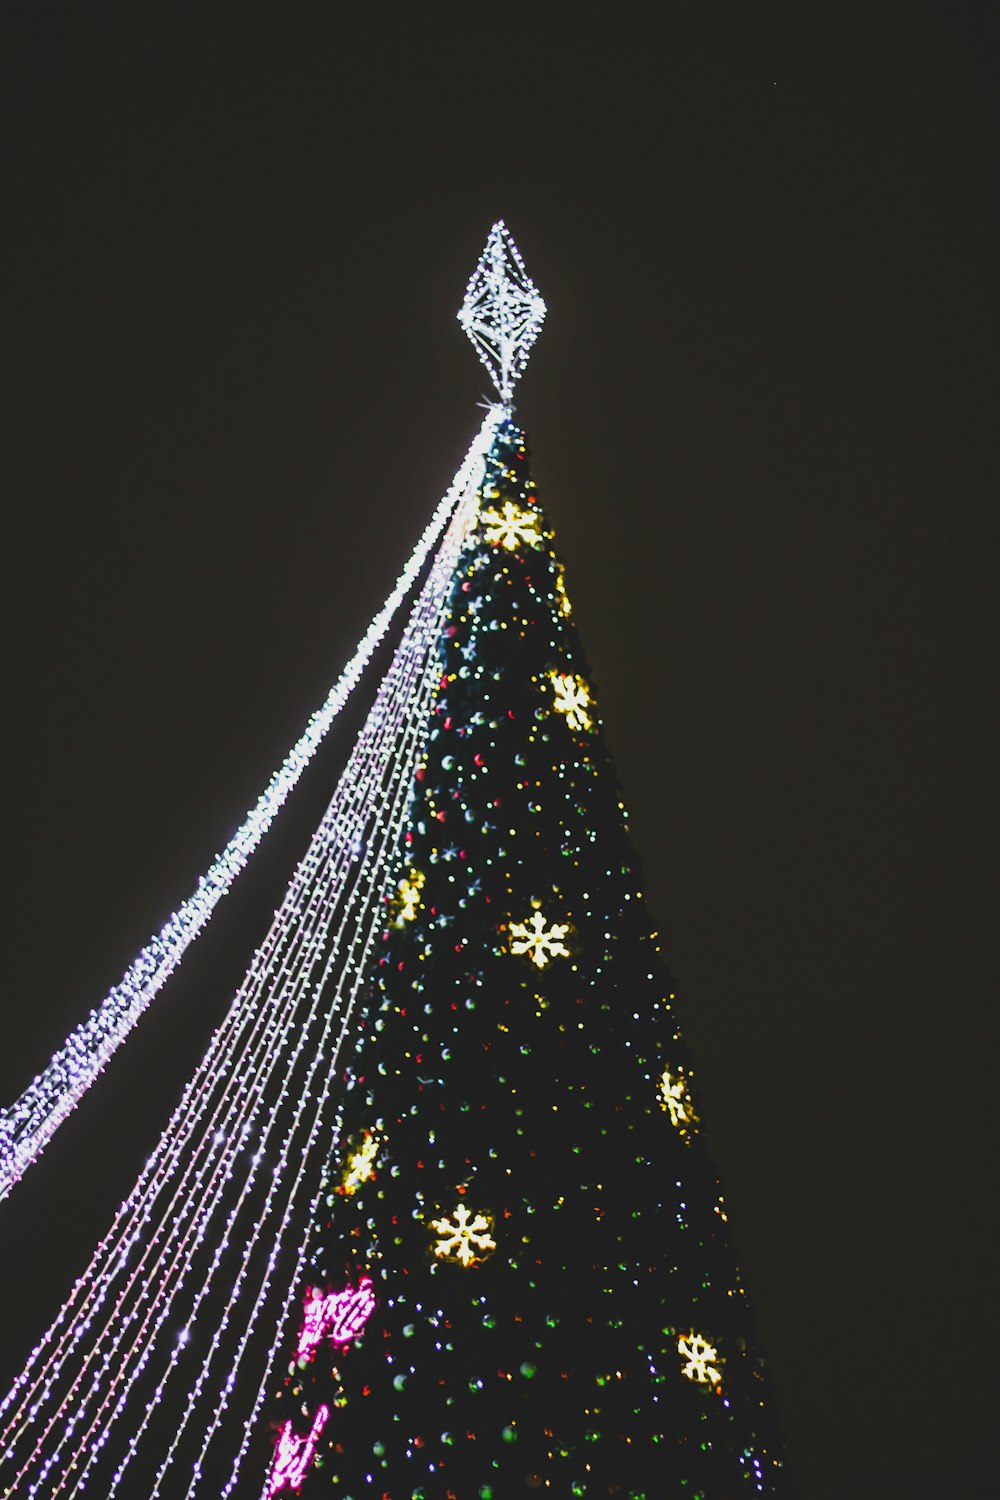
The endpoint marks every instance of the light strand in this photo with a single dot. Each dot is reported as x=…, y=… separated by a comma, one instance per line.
x=217, y=1065
x=366, y=831
x=28, y=1125
x=231, y=1135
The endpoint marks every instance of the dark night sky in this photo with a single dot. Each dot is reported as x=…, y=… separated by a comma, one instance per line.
x=234, y=242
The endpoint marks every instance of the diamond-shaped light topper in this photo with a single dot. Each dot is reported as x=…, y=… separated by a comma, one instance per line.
x=502, y=311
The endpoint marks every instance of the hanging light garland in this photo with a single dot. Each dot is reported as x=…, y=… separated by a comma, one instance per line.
x=219, y=1194
x=28, y=1125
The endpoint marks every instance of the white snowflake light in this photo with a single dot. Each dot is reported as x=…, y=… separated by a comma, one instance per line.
x=511, y=527
x=700, y=1358
x=464, y=1237
x=540, y=942
x=502, y=311
x=572, y=698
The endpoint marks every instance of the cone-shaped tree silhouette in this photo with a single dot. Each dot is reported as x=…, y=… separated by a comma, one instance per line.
x=523, y=1278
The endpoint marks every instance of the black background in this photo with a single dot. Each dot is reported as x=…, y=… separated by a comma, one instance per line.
x=234, y=239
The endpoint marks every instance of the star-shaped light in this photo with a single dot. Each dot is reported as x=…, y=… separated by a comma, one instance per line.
x=502, y=311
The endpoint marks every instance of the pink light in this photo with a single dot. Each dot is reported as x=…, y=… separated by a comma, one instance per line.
x=312, y=1327
x=339, y=1316
x=351, y=1310
x=293, y=1454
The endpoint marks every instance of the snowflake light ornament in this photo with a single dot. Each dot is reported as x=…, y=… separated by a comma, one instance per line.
x=502, y=311
x=562, y=598
x=572, y=698
x=700, y=1359
x=464, y=1237
x=540, y=942
x=675, y=1098
x=409, y=896
x=361, y=1164
x=511, y=527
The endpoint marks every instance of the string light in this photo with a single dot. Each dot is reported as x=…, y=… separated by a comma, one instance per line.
x=232, y=1132
x=28, y=1125
x=263, y=1041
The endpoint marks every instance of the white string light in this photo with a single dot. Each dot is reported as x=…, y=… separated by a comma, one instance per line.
x=213, y=1063
x=28, y=1125
x=334, y=907
x=230, y=1127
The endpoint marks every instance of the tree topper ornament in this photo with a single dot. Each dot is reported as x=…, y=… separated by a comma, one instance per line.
x=502, y=312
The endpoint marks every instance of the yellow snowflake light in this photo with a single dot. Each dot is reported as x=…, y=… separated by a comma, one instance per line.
x=700, y=1359
x=361, y=1163
x=464, y=1237
x=572, y=698
x=511, y=527
x=565, y=608
x=540, y=942
x=675, y=1098
x=409, y=896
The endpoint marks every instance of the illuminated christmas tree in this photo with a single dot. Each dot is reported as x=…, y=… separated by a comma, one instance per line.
x=521, y=1276
x=433, y=1218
